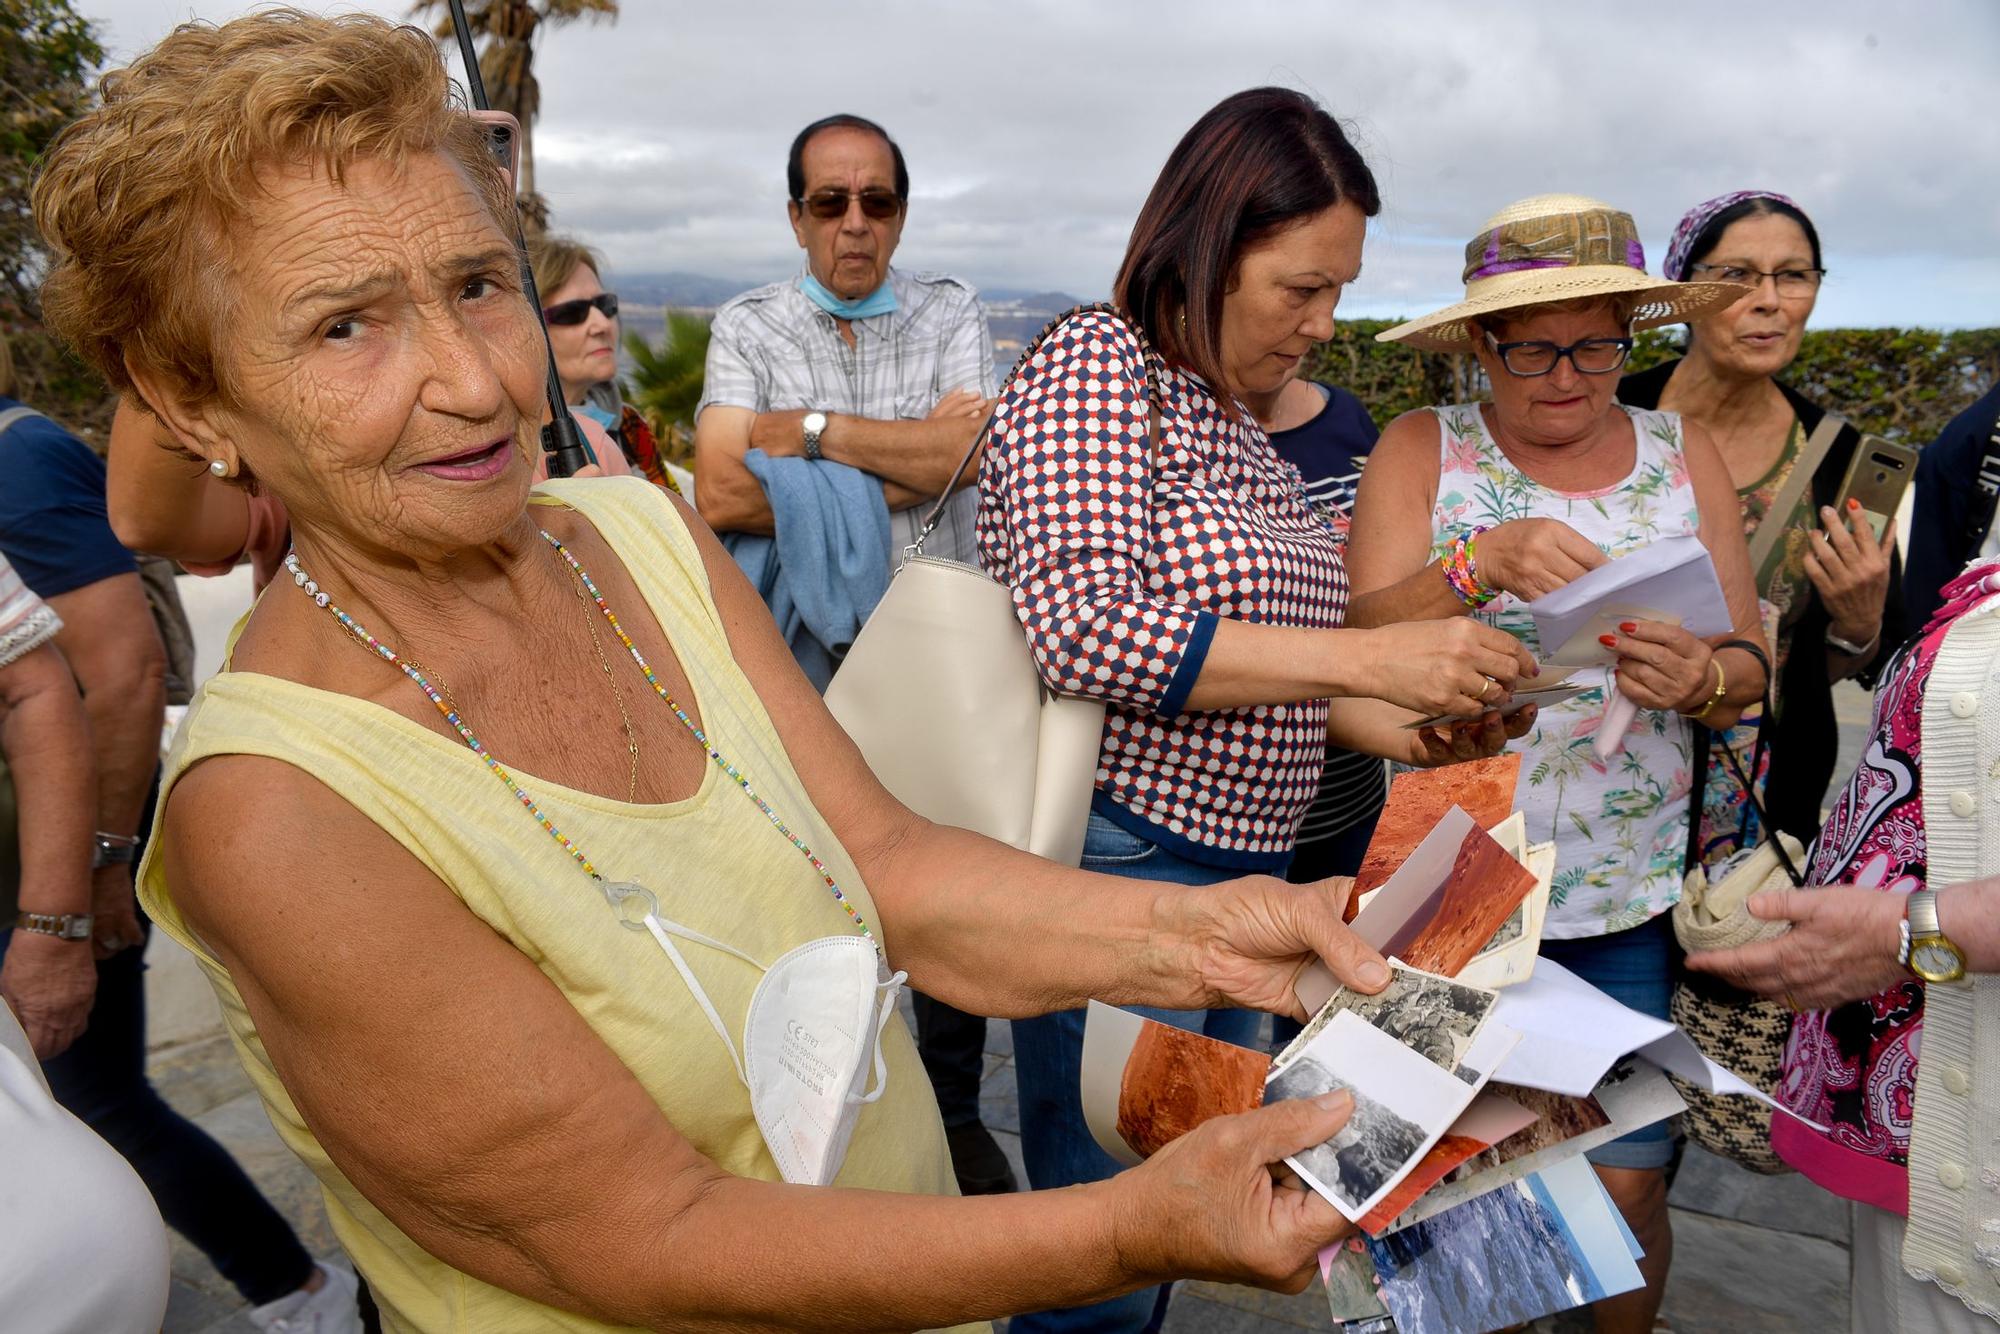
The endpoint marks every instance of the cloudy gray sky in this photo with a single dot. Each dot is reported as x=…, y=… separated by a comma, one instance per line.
x=1034, y=127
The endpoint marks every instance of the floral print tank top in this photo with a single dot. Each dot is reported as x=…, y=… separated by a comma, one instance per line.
x=1620, y=828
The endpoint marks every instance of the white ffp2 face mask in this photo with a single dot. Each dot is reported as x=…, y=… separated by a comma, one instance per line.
x=811, y=1039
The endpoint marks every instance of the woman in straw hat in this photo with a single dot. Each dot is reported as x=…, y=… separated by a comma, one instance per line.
x=1479, y=507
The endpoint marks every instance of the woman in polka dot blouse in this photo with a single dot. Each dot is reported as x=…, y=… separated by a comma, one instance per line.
x=1185, y=579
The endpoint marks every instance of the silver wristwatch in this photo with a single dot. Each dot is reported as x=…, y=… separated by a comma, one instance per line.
x=813, y=427
x=112, y=849
x=64, y=926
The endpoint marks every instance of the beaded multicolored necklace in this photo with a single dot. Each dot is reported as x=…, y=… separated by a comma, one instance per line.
x=451, y=715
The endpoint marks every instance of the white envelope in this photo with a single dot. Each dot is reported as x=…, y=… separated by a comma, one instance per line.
x=1572, y=1033
x=1673, y=580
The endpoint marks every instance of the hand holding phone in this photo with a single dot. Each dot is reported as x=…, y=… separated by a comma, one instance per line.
x=1847, y=558
x=1879, y=473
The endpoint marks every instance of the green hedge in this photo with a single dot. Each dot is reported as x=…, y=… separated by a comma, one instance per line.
x=1904, y=384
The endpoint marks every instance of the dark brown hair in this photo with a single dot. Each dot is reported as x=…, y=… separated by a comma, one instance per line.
x=795, y=161
x=1258, y=162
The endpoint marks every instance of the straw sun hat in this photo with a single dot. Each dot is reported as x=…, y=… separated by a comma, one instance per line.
x=1557, y=248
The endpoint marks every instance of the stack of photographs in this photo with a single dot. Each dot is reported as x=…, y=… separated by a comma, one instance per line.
x=1465, y=902
x=1480, y=1075
x=1419, y=798
x=1413, y=1056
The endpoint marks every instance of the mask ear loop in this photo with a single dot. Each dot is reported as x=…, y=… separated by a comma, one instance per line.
x=624, y=898
x=893, y=985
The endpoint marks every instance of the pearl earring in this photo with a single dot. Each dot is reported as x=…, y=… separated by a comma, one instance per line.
x=220, y=467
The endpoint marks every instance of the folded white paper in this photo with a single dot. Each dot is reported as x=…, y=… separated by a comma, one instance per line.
x=1672, y=580
x=1572, y=1033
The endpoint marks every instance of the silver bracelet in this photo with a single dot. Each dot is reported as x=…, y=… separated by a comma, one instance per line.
x=1851, y=649
x=112, y=849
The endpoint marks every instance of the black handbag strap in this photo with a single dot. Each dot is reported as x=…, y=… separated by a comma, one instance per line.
x=1146, y=358
x=1705, y=741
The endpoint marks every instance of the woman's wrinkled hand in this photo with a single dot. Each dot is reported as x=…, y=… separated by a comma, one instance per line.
x=1457, y=666
x=1533, y=557
x=1471, y=739
x=1662, y=666
x=1842, y=947
x=1210, y=1205
x=49, y=984
x=1850, y=568
x=1245, y=942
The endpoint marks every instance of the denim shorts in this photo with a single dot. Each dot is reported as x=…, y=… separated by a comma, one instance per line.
x=1634, y=968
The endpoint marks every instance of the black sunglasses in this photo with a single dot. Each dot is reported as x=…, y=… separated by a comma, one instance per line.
x=577, y=311
x=876, y=203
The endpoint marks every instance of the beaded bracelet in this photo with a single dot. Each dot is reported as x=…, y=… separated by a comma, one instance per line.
x=1461, y=570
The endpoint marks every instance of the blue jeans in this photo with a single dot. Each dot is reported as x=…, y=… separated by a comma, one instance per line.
x=1634, y=968
x=1048, y=1061
x=1339, y=855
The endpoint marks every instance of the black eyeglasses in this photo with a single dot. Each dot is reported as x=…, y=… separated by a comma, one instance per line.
x=1789, y=282
x=876, y=203
x=1592, y=356
x=577, y=311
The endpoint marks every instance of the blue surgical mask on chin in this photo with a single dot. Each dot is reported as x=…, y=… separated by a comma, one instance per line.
x=881, y=301
x=601, y=416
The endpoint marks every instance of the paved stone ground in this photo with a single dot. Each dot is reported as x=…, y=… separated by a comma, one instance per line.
x=1752, y=1253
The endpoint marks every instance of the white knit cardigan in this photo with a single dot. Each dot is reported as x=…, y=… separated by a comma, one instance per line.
x=1954, y=1233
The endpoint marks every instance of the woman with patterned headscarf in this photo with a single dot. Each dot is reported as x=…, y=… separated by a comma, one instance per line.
x=1826, y=584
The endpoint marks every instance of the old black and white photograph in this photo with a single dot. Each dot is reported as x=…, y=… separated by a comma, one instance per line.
x=1433, y=1016
x=1402, y=1103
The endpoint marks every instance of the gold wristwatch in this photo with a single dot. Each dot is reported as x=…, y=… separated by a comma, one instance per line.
x=1926, y=951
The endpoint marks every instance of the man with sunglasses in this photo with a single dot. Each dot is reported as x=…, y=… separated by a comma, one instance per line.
x=890, y=373
x=850, y=361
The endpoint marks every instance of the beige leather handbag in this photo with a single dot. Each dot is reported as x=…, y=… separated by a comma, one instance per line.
x=941, y=693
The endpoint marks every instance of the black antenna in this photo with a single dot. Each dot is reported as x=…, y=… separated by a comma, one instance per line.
x=562, y=441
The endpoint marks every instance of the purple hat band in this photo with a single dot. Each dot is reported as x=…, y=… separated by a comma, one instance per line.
x=1585, y=238
x=1680, y=248
x=1635, y=258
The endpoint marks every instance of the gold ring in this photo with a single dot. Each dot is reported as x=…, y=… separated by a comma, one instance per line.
x=1481, y=696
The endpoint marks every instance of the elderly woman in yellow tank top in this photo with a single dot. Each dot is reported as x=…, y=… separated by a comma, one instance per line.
x=553, y=917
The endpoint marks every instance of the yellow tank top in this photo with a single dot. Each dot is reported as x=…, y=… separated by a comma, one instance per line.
x=716, y=862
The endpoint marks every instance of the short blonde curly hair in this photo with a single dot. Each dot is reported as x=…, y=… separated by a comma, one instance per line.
x=555, y=260
x=138, y=197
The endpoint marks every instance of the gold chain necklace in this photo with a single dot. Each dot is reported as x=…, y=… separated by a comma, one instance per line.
x=617, y=695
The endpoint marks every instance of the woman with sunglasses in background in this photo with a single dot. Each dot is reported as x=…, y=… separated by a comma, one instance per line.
x=1477, y=508
x=582, y=320
x=1827, y=585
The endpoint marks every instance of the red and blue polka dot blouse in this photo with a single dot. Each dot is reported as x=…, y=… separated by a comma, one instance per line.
x=1122, y=565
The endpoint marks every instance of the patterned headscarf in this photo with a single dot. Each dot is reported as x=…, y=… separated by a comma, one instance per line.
x=1696, y=222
